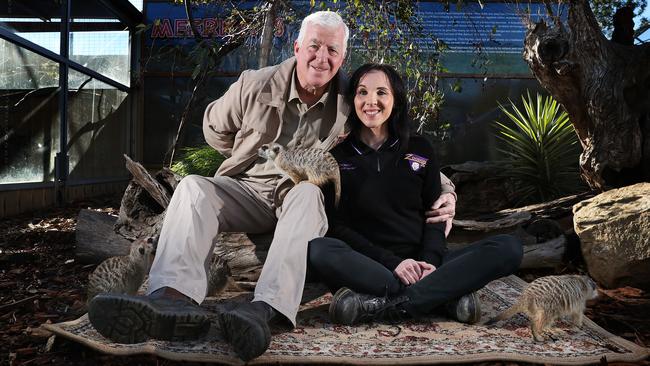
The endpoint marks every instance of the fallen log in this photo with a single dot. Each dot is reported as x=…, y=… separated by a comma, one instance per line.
x=145, y=200
x=96, y=240
x=508, y=221
x=548, y=254
x=544, y=255
x=543, y=241
x=513, y=217
x=245, y=257
x=140, y=175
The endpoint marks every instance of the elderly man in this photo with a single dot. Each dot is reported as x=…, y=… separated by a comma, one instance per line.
x=297, y=103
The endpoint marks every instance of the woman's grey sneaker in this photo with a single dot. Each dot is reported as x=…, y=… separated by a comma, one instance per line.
x=466, y=309
x=133, y=319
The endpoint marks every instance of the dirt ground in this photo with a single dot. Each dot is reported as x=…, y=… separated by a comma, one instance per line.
x=40, y=282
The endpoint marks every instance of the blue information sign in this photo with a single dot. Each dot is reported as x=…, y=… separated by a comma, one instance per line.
x=487, y=39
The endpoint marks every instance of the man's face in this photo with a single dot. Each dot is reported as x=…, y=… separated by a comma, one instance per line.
x=320, y=55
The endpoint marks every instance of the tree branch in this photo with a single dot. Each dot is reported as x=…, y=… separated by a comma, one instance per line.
x=267, y=35
x=190, y=19
x=549, y=10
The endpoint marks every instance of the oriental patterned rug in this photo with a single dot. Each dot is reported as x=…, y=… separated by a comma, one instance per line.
x=428, y=341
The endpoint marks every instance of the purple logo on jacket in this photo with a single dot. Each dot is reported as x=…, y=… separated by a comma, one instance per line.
x=416, y=162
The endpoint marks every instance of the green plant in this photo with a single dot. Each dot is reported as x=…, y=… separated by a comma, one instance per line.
x=541, y=150
x=202, y=160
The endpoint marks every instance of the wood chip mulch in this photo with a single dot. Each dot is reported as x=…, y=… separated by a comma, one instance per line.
x=40, y=282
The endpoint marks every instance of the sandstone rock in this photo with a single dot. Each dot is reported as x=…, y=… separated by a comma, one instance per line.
x=614, y=232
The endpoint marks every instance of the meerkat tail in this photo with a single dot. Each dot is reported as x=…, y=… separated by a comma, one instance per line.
x=321, y=180
x=504, y=315
x=337, y=187
x=294, y=176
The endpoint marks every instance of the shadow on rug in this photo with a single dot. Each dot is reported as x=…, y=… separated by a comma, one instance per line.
x=432, y=340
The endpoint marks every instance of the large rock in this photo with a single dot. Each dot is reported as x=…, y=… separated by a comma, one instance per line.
x=614, y=231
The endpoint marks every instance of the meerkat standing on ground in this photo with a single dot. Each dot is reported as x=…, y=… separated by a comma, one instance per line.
x=123, y=274
x=549, y=298
x=314, y=165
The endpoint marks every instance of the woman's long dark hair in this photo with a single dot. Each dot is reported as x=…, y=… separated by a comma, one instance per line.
x=398, y=122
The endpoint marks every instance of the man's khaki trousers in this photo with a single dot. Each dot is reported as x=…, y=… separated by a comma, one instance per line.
x=202, y=207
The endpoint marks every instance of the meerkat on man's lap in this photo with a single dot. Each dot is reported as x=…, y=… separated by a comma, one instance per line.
x=314, y=165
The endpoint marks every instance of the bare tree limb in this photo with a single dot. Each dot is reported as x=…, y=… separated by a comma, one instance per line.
x=146, y=181
x=267, y=34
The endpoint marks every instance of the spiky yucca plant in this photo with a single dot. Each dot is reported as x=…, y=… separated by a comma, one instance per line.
x=201, y=160
x=541, y=150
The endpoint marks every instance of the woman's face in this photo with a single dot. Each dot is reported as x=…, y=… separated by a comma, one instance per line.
x=373, y=99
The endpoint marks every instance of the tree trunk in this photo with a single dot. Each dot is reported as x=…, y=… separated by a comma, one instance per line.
x=605, y=88
x=267, y=35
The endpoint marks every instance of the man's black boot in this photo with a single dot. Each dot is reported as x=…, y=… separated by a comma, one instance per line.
x=465, y=309
x=246, y=328
x=350, y=308
x=166, y=314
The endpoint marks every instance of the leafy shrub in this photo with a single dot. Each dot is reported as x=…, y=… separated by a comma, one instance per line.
x=201, y=160
x=541, y=150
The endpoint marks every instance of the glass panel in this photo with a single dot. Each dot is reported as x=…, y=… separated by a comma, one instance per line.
x=99, y=41
x=29, y=115
x=36, y=21
x=98, y=126
x=164, y=102
x=137, y=4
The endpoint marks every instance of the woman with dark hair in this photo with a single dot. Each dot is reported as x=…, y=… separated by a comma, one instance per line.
x=380, y=257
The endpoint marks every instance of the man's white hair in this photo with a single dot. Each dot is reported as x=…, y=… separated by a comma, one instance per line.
x=328, y=19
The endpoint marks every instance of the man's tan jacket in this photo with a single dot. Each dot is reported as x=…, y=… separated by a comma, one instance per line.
x=250, y=114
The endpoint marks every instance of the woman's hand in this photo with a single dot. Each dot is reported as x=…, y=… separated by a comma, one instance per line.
x=408, y=271
x=427, y=269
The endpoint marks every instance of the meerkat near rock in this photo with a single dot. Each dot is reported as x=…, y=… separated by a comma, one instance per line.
x=314, y=165
x=218, y=276
x=549, y=298
x=123, y=274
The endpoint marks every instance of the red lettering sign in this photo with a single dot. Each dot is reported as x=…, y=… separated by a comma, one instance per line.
x=208, y=27
x=182, y=28
x=162, y=28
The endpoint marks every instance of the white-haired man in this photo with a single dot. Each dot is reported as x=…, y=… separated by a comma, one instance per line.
x=300, y=102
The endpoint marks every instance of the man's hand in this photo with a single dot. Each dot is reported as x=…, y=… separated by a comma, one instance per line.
x=443, y=210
